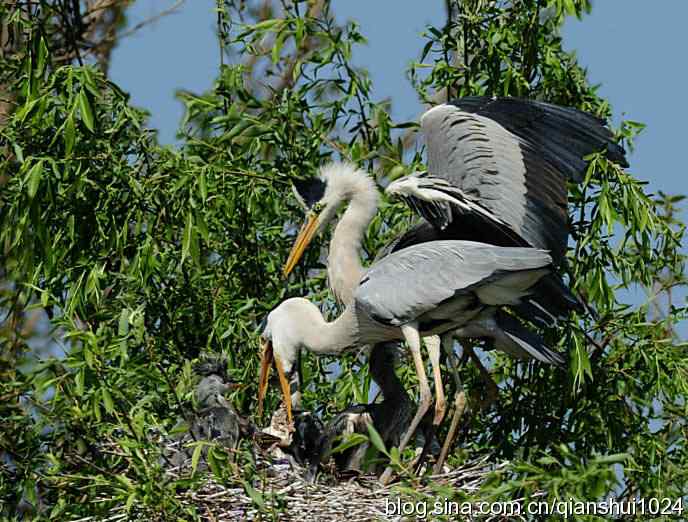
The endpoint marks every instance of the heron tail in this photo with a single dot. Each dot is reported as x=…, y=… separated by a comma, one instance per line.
x=517, y=340
x=551, y=299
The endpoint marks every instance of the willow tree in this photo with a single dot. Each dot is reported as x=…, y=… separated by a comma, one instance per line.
x=134, y=259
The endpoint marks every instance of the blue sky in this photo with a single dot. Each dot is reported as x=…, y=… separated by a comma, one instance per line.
x=633, y=50
x=630, y=47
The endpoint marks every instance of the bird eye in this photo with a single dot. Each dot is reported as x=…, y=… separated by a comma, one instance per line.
x=317, y=208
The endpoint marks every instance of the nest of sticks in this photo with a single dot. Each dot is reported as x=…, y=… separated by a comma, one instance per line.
x=279, y=491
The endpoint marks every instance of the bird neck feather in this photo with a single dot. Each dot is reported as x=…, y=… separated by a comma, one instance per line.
x=344, y=261
x=323, y=338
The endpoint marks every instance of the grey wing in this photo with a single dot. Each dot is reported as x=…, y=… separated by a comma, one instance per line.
x=501, y=164
x=475, y=158
x=410, y=282
x=564, y=135
x=551, y=297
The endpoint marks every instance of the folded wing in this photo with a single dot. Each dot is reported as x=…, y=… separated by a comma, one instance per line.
x=416, y=280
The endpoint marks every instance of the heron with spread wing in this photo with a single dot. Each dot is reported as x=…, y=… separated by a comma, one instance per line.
x=497, y=174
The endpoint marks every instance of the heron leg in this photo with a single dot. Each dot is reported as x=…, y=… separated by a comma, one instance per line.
x=459, y=401
x=432, y=344
x=410, y=332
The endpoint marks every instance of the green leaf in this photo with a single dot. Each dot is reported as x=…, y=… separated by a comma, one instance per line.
x=79, y=379
x=125, y=481
x=187, y=236
x=34, y=178
x=68, y=134
x=196, y=456
x=86, y=111
x=255, y=496
x=277, y=46
x=42, y=56
x=107, y=400
x=123, y=326
x=203, y=187
x=202, y=227
x=130, y=501
x=266, y=24
x=19, y=152
x=354, y=439
x=376, y=439
x=615, y=458
x=213, y=462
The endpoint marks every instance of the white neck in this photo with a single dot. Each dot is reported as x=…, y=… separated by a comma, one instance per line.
x=323, y=338
x=344, y=267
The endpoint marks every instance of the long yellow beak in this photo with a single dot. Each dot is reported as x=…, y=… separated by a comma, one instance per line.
x=302, y=241
x=265, y=364
x=284, y=384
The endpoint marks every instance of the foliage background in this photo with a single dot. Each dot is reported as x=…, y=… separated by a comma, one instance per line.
x=137, y=258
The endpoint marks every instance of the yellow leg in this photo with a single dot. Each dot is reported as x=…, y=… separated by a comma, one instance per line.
x=459, y=402
x=412, y=337
x=433, y=346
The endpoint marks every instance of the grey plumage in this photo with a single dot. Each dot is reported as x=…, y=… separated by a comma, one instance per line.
x=563, y=134
x=506, y=332
x=500, y=165
x=530, y=344
x=551, y=298
x=454, y=275
x=474, y=159
x=215, y=418
x=497, y=172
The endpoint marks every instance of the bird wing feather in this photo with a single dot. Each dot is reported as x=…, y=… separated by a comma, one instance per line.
x=503, y=163
x=563, y=134
x=410, y=282
x=499, y=172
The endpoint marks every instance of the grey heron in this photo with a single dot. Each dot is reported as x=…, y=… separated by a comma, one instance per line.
x=446, y=285
x=498, y=170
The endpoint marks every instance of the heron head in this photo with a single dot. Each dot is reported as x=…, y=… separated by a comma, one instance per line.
x=320, y=207
x=405, y=186
x=322, y=196
x=280, y=344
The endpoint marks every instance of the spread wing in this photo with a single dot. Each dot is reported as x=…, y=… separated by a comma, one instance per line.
x=498, y=168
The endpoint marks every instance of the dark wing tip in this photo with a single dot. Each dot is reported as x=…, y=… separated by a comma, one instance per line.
x=567, y=131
